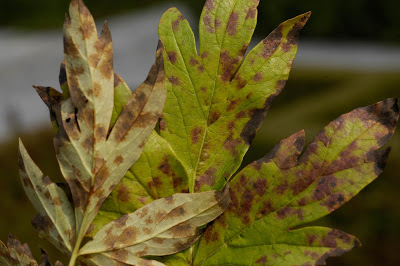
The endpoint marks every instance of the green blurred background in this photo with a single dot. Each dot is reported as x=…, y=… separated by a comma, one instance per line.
x=313, y=97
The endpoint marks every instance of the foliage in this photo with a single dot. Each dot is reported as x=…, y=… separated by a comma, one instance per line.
x=214, y=105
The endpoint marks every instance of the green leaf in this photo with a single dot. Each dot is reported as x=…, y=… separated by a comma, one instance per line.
x=215, y=102
x=55, y=220
x=275, y=195
x=162, y=227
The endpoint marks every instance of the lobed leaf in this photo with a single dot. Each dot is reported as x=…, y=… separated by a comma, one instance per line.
x=164, y=226
x=215, y=103
x=55, y=220
x=16, y=254
x=94, y=148
x=275, y=195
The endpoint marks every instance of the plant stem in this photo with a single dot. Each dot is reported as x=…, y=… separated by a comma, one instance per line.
x=80, y=236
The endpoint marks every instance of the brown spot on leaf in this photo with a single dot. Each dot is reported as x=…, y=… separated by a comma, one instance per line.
x=101, y=176
x=88, y=143
x=158, y=240
x=176, y=212
x=164, y=167
x=324, y=187
x=241, y=114
x=251, y=13
x=101, y=132
x=293, y=36
x=193, y=61
x=27, y=182
x=206, y=179
x=217, y=23
x=160, y=215
x=211, y=235
x=231, y=145
x=262, y=260
x=175, y=23
x=311, y=239
x=56, y=202
x=240, y=82
x=172, y=56
x=385, y=112
x=257, y=77
x=42, y=223
x=286, y=211
x=149, y=221
x=123, y=193
x=271, y=43
x=214, y=117
x=210, y=4
x=127, y=236
x=334, y=201
x=232, y=24
x=201, y=68
x=257, y=116
x=181, y=230
x=228, y=65
x=231, y=126
x=70, y=48
x=76, y=71
x=174, y=80
x=163, y=125
x=208, y=23
x=46, y=180
x=266, y=208
x=302, y=202
x=118, y=160
x=260, y=186
x=121, y=221
x=204, y=55
x=196, y=134
x=232, y=105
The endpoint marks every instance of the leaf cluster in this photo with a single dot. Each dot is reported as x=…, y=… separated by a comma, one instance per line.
x=174, y=196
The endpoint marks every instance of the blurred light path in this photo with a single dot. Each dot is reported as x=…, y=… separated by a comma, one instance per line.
x=28, y=59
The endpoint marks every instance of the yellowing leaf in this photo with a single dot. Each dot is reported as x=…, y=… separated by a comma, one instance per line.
x=278, y=193
x=215, y=103
x=56, y=220
x=94, y=157
x=164, y=226
x=98, y=138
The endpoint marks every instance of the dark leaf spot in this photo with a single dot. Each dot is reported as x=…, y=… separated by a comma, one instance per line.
x=196, y=134
x=232, y=24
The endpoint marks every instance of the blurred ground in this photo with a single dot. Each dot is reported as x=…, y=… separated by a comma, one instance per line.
x=329, y=78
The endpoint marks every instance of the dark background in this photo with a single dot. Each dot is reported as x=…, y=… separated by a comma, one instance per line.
x=313, y=97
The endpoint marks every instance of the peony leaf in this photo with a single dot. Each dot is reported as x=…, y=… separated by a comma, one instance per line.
x=93, y=156
x=278, y=193
x=215, y=103
x=55, y=220
x=15, y=253
x=162, y=227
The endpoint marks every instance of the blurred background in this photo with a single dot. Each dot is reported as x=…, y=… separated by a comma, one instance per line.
x=349, y=56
